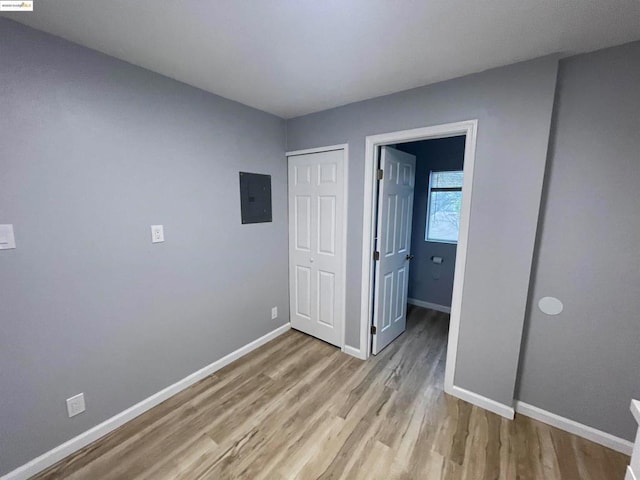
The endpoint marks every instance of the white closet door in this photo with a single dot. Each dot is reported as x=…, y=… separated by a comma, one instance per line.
x=316, y=246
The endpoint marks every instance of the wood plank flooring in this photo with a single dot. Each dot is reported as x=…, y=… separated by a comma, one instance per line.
x=298, y=408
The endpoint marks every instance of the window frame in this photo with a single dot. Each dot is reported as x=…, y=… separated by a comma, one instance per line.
x=440, y=189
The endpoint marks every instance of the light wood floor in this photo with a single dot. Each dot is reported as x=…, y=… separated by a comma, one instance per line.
x=299, y=408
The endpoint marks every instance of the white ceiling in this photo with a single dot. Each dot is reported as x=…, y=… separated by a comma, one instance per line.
x=292, y=57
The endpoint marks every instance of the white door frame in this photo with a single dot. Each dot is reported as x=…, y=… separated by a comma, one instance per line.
x=469, y=129
x=345, y=149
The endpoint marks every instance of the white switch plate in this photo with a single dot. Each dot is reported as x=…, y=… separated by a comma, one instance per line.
x=75, y=405
x=157, y=233
x=274, y=313
x=7, y=238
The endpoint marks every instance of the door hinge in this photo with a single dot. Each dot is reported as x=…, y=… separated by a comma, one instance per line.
x=380, y=174
x=373, y=329
x=376, y=255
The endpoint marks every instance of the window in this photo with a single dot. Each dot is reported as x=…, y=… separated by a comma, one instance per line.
x=443, y=206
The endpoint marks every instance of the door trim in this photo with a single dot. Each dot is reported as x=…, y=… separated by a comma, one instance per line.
x=330, y=148
x=372, y=142
x=345, y=151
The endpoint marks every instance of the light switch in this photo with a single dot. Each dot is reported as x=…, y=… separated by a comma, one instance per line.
x=7, y=239
x=157, y=233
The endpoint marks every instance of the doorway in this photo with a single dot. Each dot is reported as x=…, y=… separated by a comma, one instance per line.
x=373, y=234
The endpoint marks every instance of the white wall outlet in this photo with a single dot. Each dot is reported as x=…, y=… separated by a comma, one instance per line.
x=75, y=405
x=157, y=233
x=7, y=239
x=274, y=313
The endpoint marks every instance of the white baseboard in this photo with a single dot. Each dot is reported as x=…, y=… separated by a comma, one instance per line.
x=482, y=402
x=571, y=426
x=432, y=306
x=354, y=352
x=58, y=453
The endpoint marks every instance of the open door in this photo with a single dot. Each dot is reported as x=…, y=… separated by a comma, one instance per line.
x=393, y=245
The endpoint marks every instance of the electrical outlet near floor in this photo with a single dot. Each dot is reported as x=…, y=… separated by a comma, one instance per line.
x=157, y=233
x=274, y=313
x=75, y=405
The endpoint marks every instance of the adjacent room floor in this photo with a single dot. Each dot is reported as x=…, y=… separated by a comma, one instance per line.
x=300, y=408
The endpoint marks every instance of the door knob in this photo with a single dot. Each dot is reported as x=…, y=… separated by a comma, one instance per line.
x=410, y=257
x=311, y=260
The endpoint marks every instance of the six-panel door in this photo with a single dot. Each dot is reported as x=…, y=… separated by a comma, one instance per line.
x=316, y=244
x=395, y=210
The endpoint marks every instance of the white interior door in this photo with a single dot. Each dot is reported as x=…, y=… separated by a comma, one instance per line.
x=316, y=244
x=393, y=245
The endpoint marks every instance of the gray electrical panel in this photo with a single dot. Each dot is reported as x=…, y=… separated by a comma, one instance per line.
x=255, y=197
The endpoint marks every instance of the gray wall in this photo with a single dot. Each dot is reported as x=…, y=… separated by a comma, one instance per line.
x=584, y=364
x=513, y=105
x=428, y=281
x=92, y=152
